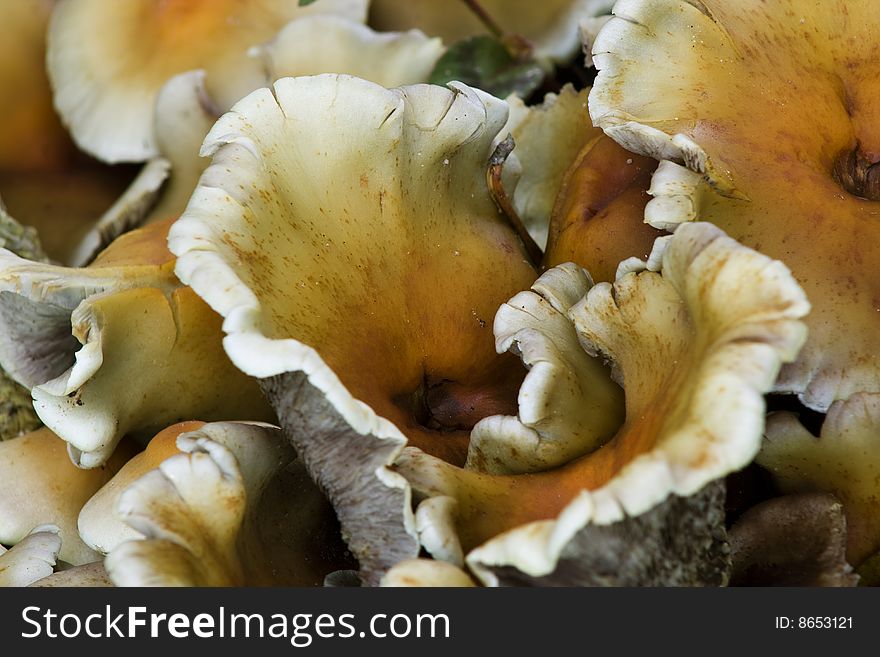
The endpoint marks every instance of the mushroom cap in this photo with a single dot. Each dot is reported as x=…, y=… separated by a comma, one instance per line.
x=763, y=113
x=31, y=135
x=426, y=572
x=597, y=219
x=98, y=525
x=40, y=485
x=548, y=137
x=331, y=43
x=844, y=461
x=551, y=26
x=134, y=327
x=695, y=349
x=105, y=85
x=31, y=559
x=206, y=516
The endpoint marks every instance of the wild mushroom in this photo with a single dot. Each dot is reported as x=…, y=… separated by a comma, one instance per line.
x=580, y=195
x=209, y=518
x=844, y=460
x=551, y=26
x=185, y=109
x=17, y=414
x=31, y=559
x=695, y=348
x=98, y=525
x=329, y=43
x=135, y=328
x=718, y=92
x=347, y=273
x=105, y=86
x=39, y=485
x=88, y=575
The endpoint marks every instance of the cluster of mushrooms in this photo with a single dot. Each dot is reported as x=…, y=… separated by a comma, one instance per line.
x=274, y=311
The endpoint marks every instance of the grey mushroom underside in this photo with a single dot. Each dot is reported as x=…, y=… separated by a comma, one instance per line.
x=17, y=415
x=680, y=542
x=370, y=513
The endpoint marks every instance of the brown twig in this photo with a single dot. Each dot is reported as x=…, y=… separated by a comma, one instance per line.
x=502, y=200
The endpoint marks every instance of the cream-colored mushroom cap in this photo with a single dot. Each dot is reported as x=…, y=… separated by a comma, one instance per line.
x=107, y=61
x=31, y=135
x=346, y=233
x=328, y=43
x=425, y=572
x=765, y=117
x=99, y=526
x=212, y=515
x=39, y=485
x=695, y=346
x=77, y=337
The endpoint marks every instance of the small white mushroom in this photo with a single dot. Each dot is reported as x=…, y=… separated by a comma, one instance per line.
x=31, y=559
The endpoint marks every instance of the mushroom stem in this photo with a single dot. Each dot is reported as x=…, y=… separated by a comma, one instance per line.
x=504, y=202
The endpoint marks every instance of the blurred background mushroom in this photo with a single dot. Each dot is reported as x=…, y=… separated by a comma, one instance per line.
x=697, y=86
x=843, y=460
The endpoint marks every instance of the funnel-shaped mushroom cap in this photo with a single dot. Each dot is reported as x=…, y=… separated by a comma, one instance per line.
x=107, y=62
x=347, y=234
x=135, y=330
x=425, y=572
x=844, y=460
x=766, y=117
x=328, y=43
x=552, y=26
x=568, y=404
x=695, y=349
x=31, y=136
x=99, y=526
x=207, y=520
x=31, y=559
x=39, y=484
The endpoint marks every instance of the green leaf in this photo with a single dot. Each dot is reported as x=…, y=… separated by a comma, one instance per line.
x=303, y=3
x=486, y=63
